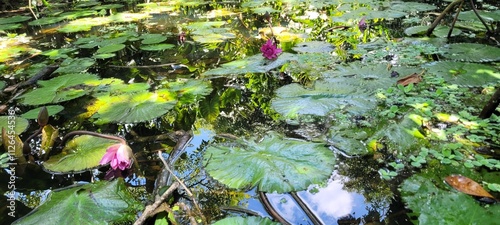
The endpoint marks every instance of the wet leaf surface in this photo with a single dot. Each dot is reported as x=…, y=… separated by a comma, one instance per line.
x=467, y=186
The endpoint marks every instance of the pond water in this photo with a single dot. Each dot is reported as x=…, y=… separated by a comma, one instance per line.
x=183, y=46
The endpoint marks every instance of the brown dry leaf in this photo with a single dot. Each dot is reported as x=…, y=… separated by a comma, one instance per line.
x=410, y=79
x=467, y=186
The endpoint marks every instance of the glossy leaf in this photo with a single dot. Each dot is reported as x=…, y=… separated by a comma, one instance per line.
x=60, y=89
x=470, y=74
x=17, y=124
x=275, y=164
x=51, y=109
x=110, y=48
x=102, y=202
x=81, y=154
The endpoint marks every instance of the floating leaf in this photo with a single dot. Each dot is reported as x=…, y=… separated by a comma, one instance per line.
x=81, y=154
x=252, y=64
x=413, y=7
x=434, y=205
x=487, y=16
x=471, y=52
x=273, y=164
x=60, y=89
x=101, y=202
x=110, y=48
x=148, y=39
x=416, y=30
x=442, y=31
x=104, y=56
x=133, y=107
x=15, y=123
x=14, y=19
x=467, y=186
x=158, y=47
x=70, y=65
x=33, y=114
x=108, y=6
x=314, y=46
x=245, y=221
x=470, y=74
x=71, y=15
x=189, y=91
x=10, y=26
x=45, y=21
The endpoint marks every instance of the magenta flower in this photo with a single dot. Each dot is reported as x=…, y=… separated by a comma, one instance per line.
x=269, y=50
x=119, y=156
x=362, y=24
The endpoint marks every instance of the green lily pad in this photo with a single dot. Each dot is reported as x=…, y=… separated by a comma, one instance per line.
x=107, y=6
x=471, y=52
x=245, y=221
x=133, y=107
x=46, y=21
x=413, y=7
x=10, y=26
x=104, y=56
x=71, y=15
x=416, y=30
x=60, y=89
x=101, y=202
x=469, y=74
x=275, y=164
x=81, y=154
x=488, y=16
x=58, y=53
x=51, y=109
x=314, y=47
x=70, y=65
x=14, y=19
x=157, y=47
x=252, y=64
x=444, y=205
x=189, y=91
x=148, y=39
x=442, y=31
x=18, y=124
x=110, y=48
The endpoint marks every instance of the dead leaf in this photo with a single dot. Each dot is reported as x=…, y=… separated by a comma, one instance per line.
x=467, y=186
x=410, y=79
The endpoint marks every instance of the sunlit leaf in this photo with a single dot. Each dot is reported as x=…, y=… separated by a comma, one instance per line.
x=59, y=89
x=157, y=47
x=49, y=136
x=314, y=46
x=81, y=154
x=133, y=107
x=101, y=202
x=148, y=39
x=110, y=48
x=45, y=21
x=273, y=164
x=70, y=65
x=467, y=186
x=470, y=74
x=442, y=31
x=471, y=52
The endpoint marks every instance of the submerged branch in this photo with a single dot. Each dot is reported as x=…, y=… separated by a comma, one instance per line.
x=150, y=209
x=441, y=16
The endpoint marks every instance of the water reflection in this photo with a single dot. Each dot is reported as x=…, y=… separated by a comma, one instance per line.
x=332, y=205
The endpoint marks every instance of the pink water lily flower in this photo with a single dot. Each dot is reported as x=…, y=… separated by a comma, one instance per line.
x=269, y=50
x=119, y=156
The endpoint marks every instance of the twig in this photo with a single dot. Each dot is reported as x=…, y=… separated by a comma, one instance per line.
x=269, y=208
x=314, y=219
x=190, y=194
x=441, y=16
x=151, y=208
x=29, y=6
x=455, y=19
x=480, y=18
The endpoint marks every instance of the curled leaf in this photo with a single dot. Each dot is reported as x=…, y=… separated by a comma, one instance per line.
x=410, y=79
x=467, y=186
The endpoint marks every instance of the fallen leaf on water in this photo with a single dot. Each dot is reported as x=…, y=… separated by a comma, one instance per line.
x=410, y=79
x=467, y=186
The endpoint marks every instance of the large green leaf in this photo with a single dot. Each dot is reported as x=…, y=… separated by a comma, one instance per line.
x=189, y=91
x=14, y=19
x=435, y=206
x=471, y=52
x=252, y=64
x=133, y=107
x=81, y=154
x=245, y=221
x=275, y=164
x=71, y=65
x=60, y=89
x=15, y=123
x=102, y=202
x=51, y=109
x=471, y=74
